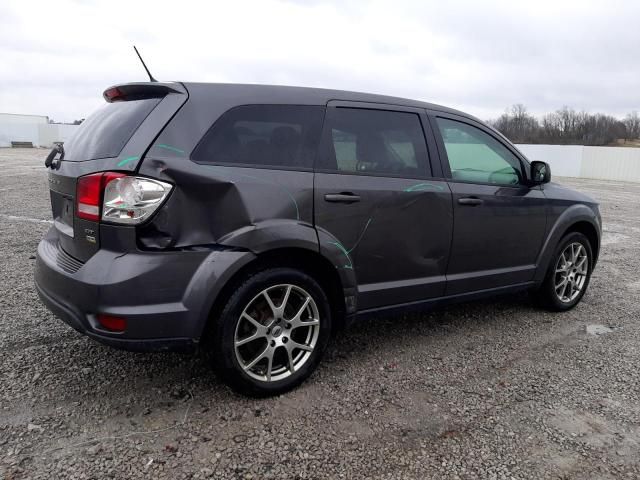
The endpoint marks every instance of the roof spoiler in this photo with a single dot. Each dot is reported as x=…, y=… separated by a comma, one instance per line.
x=142, y=90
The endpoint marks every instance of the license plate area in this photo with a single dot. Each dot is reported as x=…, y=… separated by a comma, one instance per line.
x=63, y=210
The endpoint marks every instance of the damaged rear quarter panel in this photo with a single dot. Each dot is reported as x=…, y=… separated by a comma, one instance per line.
x=254, y=209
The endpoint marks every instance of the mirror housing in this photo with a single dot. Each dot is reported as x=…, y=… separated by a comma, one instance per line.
x=540, y=172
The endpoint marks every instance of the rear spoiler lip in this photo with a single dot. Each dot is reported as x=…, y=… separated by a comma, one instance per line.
x=146, y=89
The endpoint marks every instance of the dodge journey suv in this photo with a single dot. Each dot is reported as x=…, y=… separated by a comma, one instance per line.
x=256, y=221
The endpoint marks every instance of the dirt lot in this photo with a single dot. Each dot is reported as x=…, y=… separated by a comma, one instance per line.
x=493, y=389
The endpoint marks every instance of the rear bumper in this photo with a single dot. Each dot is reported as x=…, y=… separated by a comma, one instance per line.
x=164, y=296
x=74, y=319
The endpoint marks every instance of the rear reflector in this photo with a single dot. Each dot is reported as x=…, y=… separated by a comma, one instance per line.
x=111, y=323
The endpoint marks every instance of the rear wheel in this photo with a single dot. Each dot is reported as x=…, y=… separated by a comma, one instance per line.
x=272, y=332
x=569, y=273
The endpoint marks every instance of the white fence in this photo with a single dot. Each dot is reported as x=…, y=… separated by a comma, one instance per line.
x=605, y=163
x=39, y=134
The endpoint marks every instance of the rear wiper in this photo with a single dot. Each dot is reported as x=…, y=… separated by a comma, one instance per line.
x=57, y=149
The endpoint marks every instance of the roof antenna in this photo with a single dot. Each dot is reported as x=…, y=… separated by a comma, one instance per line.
x=151, y=79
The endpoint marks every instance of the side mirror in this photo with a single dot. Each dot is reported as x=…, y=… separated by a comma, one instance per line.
x=540, y=172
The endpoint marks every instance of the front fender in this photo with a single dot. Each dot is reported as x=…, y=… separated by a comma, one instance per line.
x=569, y=217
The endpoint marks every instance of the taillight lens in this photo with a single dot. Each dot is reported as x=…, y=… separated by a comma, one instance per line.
x=132, y=199
x=89, y=194
x=120, y=198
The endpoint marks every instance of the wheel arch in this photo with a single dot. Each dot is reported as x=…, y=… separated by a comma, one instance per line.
x=578, y=218
x=309, y=261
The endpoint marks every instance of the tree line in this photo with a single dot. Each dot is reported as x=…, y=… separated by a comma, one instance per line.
x=566, y=127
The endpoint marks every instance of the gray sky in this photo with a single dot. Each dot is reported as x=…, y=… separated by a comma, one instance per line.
x=479, y=56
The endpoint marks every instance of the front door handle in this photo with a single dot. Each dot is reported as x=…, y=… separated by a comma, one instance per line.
x=470, y=201
x=344, y=197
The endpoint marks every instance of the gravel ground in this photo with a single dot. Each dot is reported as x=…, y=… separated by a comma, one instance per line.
x=492, y=389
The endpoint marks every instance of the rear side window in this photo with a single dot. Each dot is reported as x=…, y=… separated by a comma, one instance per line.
x=475, y=156
x=108, y=129
x=263, y=136
x=374, y=141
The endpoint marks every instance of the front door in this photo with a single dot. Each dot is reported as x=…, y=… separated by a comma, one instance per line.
x=499, y=220
x=377, y=202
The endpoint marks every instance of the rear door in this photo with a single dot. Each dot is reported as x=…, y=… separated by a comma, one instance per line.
x=113, y=138
x=499, y=219
x=379, y=204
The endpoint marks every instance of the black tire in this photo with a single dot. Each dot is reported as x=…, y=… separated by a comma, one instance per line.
x=223, y=335
x=546, y=294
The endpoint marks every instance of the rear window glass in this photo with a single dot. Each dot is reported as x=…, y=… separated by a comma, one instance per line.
x=263, y=135
x=108, y=129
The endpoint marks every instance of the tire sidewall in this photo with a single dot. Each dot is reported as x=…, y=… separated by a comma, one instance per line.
x=549, y=287
x=223, y=343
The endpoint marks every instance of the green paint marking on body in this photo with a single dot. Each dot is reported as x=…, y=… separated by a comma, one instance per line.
x=345, y=252
x=124, y=161
x=361, y=235
x=422, y=186
x=170, y=148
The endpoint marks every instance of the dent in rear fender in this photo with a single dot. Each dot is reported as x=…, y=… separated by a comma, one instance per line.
x=570, y=216
x=211, y=202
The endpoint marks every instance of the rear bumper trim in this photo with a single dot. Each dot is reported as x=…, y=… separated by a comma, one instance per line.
x=74, y=320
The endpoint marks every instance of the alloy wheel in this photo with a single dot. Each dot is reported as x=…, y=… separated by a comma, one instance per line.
x=277, y=332
x=571, y=272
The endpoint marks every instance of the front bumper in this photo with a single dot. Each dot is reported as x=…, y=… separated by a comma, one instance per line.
x=164, y=296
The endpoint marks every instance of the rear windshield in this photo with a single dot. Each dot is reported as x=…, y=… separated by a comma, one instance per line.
x=108, y=129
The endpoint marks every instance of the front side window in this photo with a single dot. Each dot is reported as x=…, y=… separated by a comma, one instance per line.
x=374, y=142
x=475, y=156
x=263, y=136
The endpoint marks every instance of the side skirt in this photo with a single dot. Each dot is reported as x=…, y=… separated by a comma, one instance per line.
x=422, y=305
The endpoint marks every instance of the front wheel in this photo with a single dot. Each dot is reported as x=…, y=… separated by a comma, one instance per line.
x=569, y=273
x=272, y=332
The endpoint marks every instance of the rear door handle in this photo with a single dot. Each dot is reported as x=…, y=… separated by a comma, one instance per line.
x=471, y=201
x=344, y=197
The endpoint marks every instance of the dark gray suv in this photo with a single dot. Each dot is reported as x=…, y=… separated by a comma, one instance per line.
x=258, y=220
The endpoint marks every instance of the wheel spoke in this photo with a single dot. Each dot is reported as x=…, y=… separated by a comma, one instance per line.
x=253, y=321
x=307, y=323
x=581, y=266
x=293, y=345
x=295, y=321
x=273, y=308
x=248, y=339
x=259, y=357
x=562, y=283
x=564, y=289
x=292, y=367
x=285, y=299
x=269, y=364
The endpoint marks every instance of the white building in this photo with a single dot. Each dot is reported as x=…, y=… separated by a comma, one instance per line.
x=32, y=128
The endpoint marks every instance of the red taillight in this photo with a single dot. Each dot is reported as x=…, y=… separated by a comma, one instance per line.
x=89, y=192
x=111, y=323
